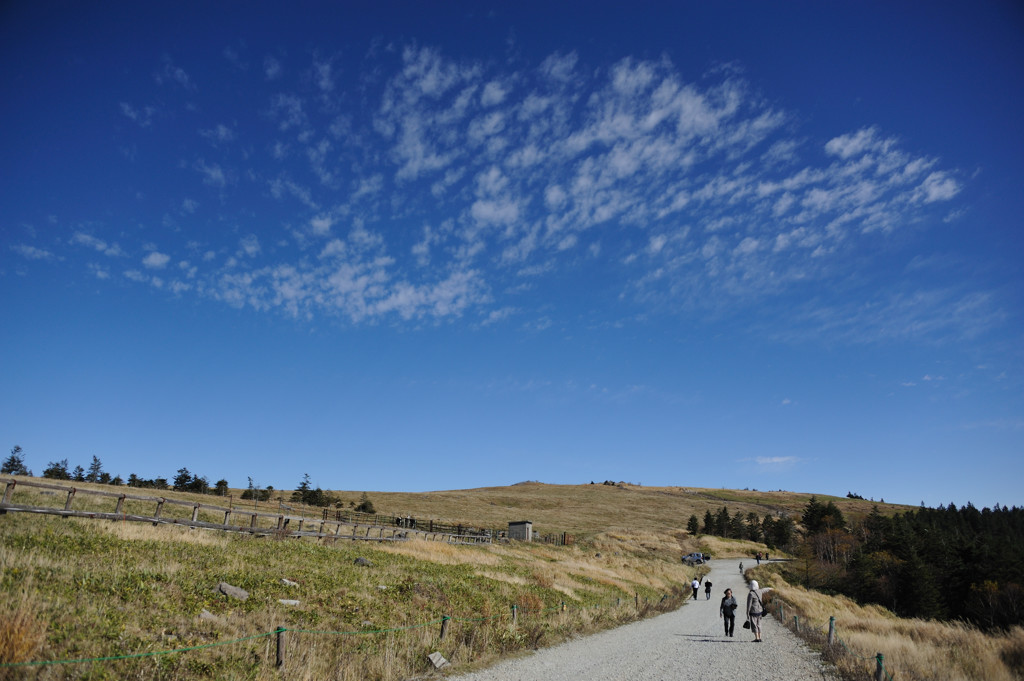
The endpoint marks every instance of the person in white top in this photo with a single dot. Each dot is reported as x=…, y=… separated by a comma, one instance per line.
x=755, y=608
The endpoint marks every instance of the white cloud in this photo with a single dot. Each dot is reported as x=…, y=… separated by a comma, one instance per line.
x=938, y=186
x=705, y=190
x=249, y=246
x=83, y=239
x=272, y=69
x=493, y=94
x=32, y=252
x=775, y=461
x=173, y=74
x=143, y=116
x=156, y=260
x=321, y=225
x=212, y=173
x=219, y=134
x=324, y=76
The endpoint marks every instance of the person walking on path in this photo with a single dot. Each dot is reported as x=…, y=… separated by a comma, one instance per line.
x=707, y=590
x=755, y=608
x=682, y=645
x=728, y=611
x=695, y=585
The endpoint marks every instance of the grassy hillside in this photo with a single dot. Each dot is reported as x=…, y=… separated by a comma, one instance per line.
x=76, y=589
x=588, y=509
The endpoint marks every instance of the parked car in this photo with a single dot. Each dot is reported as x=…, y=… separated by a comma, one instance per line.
x=696, y=558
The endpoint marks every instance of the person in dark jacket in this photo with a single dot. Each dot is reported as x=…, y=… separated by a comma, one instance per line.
x=727, y=611
x=707, y=590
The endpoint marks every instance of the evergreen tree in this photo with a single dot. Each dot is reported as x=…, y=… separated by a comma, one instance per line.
x=221, y=488
x=301, y=492
x=78, y=475
x=768, y=530
x=753, y=527
x=722, y=522
x=15, y=463
x=693, y=526
x=782, y=533
x=182, y=480
x=57, y=470
x=709, y=522
x=95, y=470
x=365, y=505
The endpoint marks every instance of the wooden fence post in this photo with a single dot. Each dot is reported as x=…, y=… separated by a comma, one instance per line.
x=8, y=491
x=831, y=630
x=71, y=495
x=796, y=623
x=444, y=626
x=280, y=646
x=159, y=506
x=879, y=667
x=515, y=614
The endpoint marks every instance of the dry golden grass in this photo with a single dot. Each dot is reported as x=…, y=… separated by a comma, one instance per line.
x=719, y=548
x=21, y=631
x=439, y=552
x=628, y=541
x=912, y=649
x=589, y=509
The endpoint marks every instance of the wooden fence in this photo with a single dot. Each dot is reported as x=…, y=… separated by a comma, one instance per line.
x=137, y=508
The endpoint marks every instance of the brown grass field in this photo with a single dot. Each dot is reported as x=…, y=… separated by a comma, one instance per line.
x=78, y=589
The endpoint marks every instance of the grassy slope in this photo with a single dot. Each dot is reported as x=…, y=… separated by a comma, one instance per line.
x=588, y=509
x=73, y=588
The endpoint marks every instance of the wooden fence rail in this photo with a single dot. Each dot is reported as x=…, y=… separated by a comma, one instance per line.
x=232, y=519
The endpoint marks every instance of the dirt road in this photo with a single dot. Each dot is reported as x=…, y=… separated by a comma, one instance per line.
x=688, y=644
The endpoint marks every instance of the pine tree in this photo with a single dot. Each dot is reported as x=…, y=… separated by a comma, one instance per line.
x=57, y=470
x=301, y=492
x=15, y=463
x=95, y=470
x=365, y=505
x=182, y=480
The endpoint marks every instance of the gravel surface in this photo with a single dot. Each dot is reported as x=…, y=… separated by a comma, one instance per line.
x=678, y=646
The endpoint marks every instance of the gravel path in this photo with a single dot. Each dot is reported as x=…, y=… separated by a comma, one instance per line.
x=684, y=645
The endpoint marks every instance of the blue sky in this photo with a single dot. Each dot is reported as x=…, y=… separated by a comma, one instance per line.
x=423, y=246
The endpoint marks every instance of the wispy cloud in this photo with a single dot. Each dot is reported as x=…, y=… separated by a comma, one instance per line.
x=450, y=184
x=776, y=461
x=90, y=241
x=30, y=252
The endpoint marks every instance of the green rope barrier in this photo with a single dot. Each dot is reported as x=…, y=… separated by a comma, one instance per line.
x=136, y=655
x=363, y=632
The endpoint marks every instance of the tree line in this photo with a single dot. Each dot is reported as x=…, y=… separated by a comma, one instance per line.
x=184, y=481
x=773, y=531
x=942, y=563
